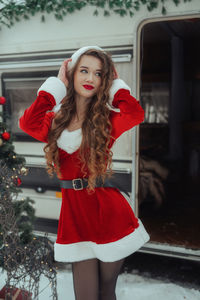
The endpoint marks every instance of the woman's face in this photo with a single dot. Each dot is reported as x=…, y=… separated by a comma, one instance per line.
x=87, y=77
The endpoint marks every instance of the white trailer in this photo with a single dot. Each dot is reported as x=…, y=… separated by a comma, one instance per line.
x=159, y=161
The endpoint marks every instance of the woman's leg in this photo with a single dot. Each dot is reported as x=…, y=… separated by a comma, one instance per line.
x=86, y=279
x=109, y=272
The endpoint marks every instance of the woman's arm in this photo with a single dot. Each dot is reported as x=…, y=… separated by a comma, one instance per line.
x=36, y=120
x=129, y=114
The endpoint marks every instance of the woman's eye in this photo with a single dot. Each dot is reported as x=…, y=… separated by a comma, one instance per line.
x=83, y=71
x=98, y=74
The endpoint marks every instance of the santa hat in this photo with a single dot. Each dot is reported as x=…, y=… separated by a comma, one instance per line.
x=79, y=52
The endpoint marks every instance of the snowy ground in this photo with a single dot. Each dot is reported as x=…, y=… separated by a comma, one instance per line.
x=130, y=286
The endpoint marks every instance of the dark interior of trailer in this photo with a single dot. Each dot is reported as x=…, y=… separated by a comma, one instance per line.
x=169, y=177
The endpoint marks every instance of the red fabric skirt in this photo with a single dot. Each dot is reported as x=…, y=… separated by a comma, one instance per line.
x=99, y=225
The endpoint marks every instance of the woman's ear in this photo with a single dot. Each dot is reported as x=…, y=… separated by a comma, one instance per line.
x=115, y=74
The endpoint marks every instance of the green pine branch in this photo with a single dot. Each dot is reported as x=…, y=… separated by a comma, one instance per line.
x=15, y=11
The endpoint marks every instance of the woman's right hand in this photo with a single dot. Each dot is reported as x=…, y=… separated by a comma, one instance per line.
x=62, y=74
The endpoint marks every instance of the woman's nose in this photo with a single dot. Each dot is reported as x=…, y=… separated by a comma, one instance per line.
x=89, y=77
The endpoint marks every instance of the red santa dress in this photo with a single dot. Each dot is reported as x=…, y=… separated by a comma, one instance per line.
x=97, y=225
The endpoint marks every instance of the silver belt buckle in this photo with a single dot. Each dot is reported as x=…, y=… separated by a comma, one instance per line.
x=77, y=184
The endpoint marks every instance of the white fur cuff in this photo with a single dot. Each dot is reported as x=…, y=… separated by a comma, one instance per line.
x=55, y=87
x=116, y=86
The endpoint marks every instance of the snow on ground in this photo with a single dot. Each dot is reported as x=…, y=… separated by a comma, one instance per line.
x=129, y=287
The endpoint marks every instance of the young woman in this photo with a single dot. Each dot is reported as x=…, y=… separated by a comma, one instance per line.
x=74, y=115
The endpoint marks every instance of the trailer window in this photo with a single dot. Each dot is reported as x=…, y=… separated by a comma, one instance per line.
x=21, y=94
x=20, y=91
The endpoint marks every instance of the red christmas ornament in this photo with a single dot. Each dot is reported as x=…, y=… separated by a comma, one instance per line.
x=2, y=100
x=17, y=181
x=6, y=136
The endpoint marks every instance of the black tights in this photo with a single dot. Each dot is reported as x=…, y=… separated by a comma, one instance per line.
x=95, y=280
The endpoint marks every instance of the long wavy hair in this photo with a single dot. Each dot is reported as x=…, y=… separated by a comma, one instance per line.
x=94, y=153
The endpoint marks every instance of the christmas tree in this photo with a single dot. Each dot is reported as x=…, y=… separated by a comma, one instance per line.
x=24, y=211
x=23, y=256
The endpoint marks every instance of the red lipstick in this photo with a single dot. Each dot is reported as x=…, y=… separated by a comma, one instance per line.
x=88, y=87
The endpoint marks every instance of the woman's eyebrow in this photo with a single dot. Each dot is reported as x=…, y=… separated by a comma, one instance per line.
x=88, y=68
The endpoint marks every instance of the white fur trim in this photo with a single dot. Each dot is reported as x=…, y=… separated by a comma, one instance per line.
x=79, y=52
x=116, y=86
x=105, y=252
x=56, y=107
x=55, y=87
x=70, y=141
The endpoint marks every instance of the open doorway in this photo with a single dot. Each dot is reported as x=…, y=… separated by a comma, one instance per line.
x=169, y=172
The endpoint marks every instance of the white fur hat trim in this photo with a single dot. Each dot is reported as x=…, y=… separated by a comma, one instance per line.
x=79, y=52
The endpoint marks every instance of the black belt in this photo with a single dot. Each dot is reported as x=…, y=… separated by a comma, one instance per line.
x=79, y=184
